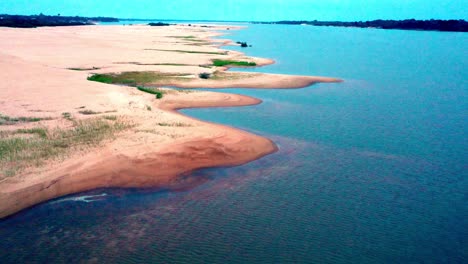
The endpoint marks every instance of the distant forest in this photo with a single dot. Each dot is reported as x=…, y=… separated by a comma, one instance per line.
x=408, y=24
x=41, y=20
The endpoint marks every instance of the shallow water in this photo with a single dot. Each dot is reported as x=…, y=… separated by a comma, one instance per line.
x=372, y=170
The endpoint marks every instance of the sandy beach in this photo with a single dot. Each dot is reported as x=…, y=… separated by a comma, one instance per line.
x=44, y=75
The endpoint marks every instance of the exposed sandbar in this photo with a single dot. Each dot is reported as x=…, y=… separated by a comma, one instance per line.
x=44, y=73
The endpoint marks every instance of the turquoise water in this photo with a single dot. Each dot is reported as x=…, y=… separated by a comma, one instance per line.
x=372, y=170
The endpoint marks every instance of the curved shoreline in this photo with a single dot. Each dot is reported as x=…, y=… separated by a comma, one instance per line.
x=136, y=158
x=233, y=147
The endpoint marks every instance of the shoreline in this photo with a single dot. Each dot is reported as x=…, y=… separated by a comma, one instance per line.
x=150, y=155
x=232, y=147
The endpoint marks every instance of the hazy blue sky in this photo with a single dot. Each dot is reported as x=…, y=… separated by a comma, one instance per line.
x=264, y=10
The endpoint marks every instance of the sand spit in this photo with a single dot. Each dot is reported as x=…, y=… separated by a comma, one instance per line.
x=255, y=80
x=161, y=144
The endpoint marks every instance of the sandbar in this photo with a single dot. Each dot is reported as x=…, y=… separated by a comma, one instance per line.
x=44, y=74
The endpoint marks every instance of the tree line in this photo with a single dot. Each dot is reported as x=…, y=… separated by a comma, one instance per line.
x=408, y=24
x=49, y=21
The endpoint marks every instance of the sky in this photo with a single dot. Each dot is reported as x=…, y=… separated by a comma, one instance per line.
x=245, y=10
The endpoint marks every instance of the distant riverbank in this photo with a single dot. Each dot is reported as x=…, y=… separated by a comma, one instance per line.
x=408, y=24
x=19, y=21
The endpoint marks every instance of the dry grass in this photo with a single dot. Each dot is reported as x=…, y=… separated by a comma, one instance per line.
x=177, y=124
x=25, y=148
x=221, y=75
x=194, y=51
x=88, y=112
x=84, y=69
x=8, y=120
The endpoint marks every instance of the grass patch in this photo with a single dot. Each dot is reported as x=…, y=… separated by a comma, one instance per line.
x=110, y=117
x=67, y=116
x=104, y=78
x=205, y=66
x=19, y=153
x=178, y=124
x=222, y=76
x=8, y=120
x=88, y=112
x=155, y=91
x=137, y=78
x=84, y=69
x=220, y=63
x=192, y=51
x=41, y=132
x=183, y=37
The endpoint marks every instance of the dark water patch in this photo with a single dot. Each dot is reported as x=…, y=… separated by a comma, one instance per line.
x=286, y=207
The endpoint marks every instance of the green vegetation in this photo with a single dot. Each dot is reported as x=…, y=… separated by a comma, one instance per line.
x=220, y=63
x=157, y=92
x=104, y=78
x=136, y=78
x=8, y=120
x=41, y=132
x=192, y=51
x=25, y=148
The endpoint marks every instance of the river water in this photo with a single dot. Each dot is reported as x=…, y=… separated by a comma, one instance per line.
x=371, y=170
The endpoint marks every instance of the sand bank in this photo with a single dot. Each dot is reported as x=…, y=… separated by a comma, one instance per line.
x=161, y=143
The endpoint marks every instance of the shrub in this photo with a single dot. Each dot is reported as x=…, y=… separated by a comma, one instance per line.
x=204, y=75
x=157, y=92
x=221, y=63
x=159, y=24
x=242, y=44
x=104, y=78
x=67, y=116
